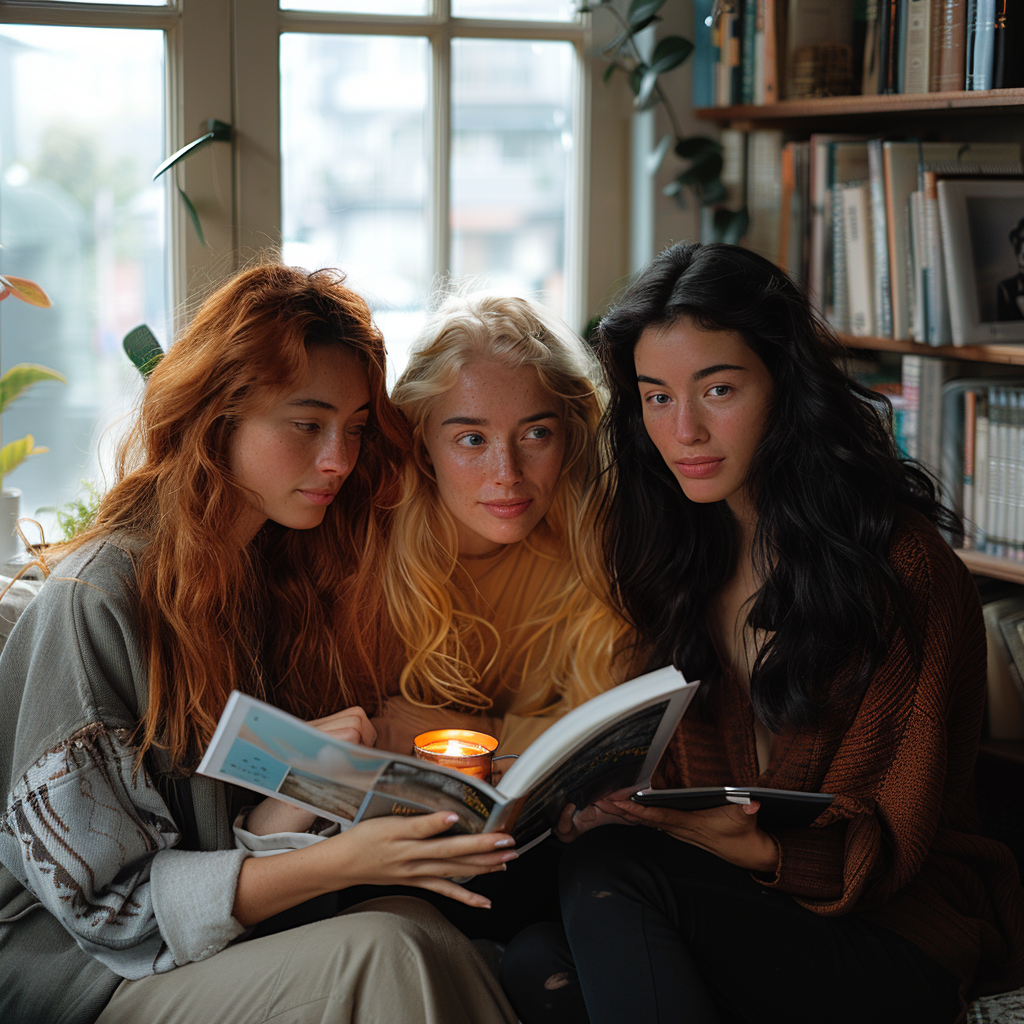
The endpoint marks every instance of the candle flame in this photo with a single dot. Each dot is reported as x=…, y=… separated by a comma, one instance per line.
x=456, y=749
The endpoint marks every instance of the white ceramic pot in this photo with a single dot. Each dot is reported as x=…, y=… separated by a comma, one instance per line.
x=10, y=543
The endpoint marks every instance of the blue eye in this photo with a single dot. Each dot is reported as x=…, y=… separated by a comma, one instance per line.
x=658, y=399
x=538, y=433
x=471, y=440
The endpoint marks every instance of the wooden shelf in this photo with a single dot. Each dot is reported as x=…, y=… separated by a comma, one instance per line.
x=929, y=103
x=1013, y=354
x=989, y=565
x=1006, y=750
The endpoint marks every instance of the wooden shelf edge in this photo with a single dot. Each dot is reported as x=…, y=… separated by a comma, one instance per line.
x=1006, y=750
x=1012, y=354
x=990, y=565
x=830, y=106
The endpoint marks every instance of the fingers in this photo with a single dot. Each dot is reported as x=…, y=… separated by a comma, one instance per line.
x=351, y=725
x=446, y=887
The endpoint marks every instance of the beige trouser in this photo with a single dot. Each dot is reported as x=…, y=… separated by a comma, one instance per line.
x=393, y=960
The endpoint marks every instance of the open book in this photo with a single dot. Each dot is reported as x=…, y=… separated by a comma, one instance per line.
x=611, y=742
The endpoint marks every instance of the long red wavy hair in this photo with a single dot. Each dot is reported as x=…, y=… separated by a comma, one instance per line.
x=262, y=619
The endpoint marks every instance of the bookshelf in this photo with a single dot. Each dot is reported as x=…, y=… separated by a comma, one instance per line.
x=994, y=115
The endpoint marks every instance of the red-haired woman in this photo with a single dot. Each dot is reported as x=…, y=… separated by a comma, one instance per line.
x=216, y=562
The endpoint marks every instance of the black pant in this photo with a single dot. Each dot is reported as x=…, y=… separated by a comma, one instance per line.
x=657, y=930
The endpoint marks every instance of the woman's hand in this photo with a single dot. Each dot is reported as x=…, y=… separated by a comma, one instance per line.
x=382, y=851
x=572, y=823
x=729, y=832
x=270, y=815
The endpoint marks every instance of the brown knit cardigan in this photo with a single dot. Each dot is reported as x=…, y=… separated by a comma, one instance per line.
x=900, y=844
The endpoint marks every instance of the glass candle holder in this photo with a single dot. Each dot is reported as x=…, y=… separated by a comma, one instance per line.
x=462, y=749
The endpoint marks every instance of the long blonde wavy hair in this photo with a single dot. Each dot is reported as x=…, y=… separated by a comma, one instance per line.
x=573, y=632
x=214, y=616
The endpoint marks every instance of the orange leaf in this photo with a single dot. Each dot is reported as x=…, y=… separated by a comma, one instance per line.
x=27, y=291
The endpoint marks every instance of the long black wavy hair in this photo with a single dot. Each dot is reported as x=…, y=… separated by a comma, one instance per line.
x=826, y=482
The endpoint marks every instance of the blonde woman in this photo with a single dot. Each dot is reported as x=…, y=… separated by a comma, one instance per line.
x=491, y=587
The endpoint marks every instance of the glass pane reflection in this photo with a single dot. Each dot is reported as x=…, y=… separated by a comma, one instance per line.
x=81, y=131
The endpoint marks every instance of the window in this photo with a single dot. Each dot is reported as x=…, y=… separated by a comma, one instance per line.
x=403, y=140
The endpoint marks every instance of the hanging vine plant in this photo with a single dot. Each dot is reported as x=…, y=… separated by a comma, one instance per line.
x=701, y=173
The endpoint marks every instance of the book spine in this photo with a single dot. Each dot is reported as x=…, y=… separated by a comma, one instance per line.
x=748, y=53
x=980, y=469
x=939, y=328
x=1016, y=439
x=1008, y=46
x=703, y=55
x=970, y=27
x=839, y=312
x=910, y=371
x=773, y=50
x=934, y=42
x=970, y=423
x=916, y=46
x=984, y=43
x=869, y=65
x=952, y=45
x=880, y=241
x=996, y=473
x=856, y=214
x=919, y=270
x=736, y=58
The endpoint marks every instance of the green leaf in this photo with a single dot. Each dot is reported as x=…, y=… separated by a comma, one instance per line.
x=646, y=97
x=730, y=225
x=608, y=72
x=23, y=376
x=636, y=76
x=142, y=348
x=27, y=291
x=14, y=454
x=696, y=146
x=703, y=170
x=193, y=215
x=712, y=193
x=642, y=11
x=670, y=53
x=657, y=155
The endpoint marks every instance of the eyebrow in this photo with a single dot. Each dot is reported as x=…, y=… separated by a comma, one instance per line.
x=699, y=375
x=475, y=421
x=316, y=403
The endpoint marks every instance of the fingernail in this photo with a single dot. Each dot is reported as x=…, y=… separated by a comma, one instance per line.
x=509, y=856
x=505, y=842
x=451, y=818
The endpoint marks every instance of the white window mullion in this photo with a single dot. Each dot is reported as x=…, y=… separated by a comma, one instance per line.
x=441, y=113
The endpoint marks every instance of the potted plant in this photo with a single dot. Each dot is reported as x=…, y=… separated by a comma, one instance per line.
x=12, y=384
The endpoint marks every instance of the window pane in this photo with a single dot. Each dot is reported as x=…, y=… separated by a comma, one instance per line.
x=81, y=131
x=382, y=7
x=512, y=138
x=510, y=10
x=355, y=168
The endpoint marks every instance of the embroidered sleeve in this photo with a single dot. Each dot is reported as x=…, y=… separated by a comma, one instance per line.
x=93, y=842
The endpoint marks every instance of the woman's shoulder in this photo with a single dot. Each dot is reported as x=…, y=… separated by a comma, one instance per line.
x=924, y=561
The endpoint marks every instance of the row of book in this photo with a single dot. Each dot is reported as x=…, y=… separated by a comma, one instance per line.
x=760, y=51
x=969, y=433
x=857, y=221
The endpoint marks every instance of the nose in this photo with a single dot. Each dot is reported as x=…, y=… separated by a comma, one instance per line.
x=689, y=426
x=337, y=455
x=506, y=468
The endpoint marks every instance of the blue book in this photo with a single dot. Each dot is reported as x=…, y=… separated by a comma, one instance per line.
x=705, y=55
x=984, y=45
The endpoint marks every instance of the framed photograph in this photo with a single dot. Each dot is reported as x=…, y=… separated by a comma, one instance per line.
x=983, y=244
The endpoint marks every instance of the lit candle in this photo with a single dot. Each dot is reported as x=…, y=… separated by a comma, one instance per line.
x=462, y=749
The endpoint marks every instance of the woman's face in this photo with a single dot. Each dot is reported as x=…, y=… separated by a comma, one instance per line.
x=294, y=452
x=706, y=398
x=496, y=442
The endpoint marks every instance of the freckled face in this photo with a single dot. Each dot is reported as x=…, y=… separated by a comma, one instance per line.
x=706, y=397
x=295, y=452
x=496, y=442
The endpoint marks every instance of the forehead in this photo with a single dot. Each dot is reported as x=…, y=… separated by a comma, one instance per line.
x=487, y=389
x=685, y=347
x=334, y=376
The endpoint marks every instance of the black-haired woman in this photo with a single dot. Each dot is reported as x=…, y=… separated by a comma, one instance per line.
x=766, y=538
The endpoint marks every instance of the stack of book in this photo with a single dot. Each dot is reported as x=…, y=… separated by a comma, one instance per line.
x=760, y=51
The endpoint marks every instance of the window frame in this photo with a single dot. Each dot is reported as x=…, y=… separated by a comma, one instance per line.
x=237, y=188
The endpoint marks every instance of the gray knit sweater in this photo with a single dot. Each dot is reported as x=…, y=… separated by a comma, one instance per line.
x=104, y=874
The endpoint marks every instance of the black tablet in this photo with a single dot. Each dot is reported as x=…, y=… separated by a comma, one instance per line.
x=780, y=808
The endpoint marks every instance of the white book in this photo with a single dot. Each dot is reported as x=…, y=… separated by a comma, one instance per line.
x=981, y=470
x=611, y=742
x=916, y=46
x=859, y=258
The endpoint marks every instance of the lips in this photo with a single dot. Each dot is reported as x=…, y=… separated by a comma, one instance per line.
x=704, y=466
x=319, y=497
x=507, y=509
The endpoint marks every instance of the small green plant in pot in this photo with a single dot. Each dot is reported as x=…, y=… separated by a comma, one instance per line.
x=12, y=384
